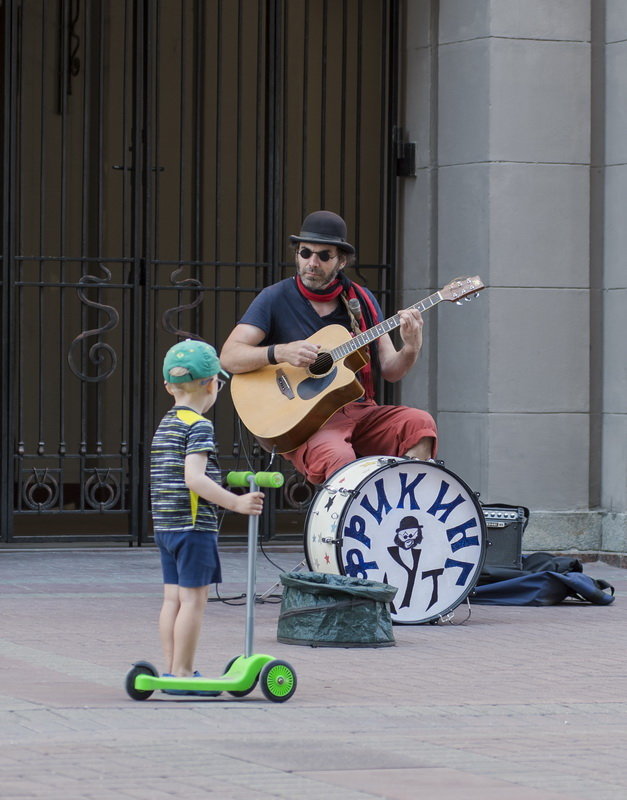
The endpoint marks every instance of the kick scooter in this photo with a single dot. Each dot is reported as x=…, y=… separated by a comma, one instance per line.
x=242, y=673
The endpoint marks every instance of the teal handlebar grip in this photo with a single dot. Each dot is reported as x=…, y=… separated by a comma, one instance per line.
x=239, y=479
x=271, y=480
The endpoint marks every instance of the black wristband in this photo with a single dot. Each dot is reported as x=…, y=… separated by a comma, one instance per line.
x=271, y=358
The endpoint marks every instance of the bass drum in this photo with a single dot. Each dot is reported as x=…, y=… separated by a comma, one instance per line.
x=412, y=524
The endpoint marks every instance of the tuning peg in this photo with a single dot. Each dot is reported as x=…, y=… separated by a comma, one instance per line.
x=477, y=294
x=459, y=303
x=468, y=299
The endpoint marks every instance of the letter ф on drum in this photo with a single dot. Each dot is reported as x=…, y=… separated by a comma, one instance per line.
x=356, y=529
x=356, y=567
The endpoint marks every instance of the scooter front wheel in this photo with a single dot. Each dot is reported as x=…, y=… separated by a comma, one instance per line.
x=139, y=668
x=278, y=681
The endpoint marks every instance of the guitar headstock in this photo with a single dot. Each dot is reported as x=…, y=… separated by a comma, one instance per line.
x=462, y=287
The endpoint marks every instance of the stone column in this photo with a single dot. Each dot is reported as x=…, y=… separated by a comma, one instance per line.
x=503, y=191
x=613, y=442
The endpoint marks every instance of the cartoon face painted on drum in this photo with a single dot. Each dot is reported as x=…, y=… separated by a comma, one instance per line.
x=408, y=533
x=408, y=537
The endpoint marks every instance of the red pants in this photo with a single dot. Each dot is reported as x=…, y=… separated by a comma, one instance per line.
x=361, y=429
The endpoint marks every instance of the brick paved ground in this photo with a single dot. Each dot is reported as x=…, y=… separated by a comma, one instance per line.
x=517, y=704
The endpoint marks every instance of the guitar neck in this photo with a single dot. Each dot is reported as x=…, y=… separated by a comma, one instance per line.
x=383, y=327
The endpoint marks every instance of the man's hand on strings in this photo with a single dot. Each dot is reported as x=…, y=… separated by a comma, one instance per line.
x=301, y=353
x=411, y=328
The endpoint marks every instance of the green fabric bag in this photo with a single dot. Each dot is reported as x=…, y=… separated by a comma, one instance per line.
x=324, y=610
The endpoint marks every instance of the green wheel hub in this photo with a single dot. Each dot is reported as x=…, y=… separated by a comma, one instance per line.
x=278, y=681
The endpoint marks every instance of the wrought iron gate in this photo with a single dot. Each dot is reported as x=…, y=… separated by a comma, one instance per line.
x=156, y=155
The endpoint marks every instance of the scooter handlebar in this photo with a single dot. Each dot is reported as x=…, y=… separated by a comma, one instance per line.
x=271, y=480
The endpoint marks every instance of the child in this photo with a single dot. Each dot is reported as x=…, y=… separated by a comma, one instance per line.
x=185, y=491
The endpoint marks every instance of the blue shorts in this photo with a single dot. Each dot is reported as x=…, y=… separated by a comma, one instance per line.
x=190, y=558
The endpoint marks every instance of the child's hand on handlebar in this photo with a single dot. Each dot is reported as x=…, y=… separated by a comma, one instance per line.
x=250, y=504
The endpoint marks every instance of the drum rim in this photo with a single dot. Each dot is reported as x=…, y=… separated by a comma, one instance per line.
x=394, y=462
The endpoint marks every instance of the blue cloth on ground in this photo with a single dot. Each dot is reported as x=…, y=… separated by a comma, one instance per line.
x=544, y=589
x=545, y=580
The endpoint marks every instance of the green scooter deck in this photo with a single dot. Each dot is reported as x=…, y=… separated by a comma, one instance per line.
x=240, y=677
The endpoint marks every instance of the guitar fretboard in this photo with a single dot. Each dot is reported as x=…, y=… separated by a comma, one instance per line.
x=383, y=327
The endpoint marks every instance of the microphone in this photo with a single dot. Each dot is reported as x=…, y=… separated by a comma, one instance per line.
x=355, y=308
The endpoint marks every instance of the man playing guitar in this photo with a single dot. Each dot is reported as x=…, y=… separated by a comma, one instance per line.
x=277, y=327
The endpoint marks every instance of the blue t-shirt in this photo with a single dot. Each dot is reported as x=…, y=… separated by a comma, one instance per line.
x=284, y=315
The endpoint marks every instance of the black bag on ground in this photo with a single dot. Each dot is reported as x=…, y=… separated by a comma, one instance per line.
x=324, y=610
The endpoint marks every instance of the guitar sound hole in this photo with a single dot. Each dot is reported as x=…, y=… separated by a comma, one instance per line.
x=322, y=365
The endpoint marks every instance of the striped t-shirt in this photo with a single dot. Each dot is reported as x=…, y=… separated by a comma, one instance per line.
x=174, y=506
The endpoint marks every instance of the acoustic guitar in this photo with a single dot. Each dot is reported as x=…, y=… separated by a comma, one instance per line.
x=282, y=405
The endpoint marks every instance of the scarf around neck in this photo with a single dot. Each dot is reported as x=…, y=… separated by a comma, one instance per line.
x=330, y=292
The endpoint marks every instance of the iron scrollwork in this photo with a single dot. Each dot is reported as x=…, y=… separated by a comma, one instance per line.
x=186, y=283
x=69, y=45
x=102, y=490
x=99, y=351
x=298, y=492
x=41, y=490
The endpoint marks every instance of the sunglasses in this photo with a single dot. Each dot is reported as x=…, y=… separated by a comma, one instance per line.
x=221, y=383
x=323, y=255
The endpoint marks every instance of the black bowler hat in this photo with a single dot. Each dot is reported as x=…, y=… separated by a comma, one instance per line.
x=324, y=227
x=408, y=522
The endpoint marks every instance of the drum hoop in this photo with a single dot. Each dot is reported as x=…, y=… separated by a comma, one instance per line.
x=338, y=546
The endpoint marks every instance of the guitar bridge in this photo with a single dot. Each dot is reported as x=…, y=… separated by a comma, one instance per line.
x=284, y=384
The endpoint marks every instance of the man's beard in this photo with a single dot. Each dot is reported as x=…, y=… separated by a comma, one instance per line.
x=314, y=281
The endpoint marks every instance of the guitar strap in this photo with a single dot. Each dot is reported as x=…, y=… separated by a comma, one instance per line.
x=367, y=319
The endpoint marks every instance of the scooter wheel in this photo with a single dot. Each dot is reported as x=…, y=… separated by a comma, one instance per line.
x=240, y=692
x=139, y=668
x=278, y=681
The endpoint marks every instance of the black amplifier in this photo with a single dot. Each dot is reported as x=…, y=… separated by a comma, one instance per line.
x=505, y=525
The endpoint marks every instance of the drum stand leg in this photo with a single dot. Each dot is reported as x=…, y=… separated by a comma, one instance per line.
x=268, y=592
